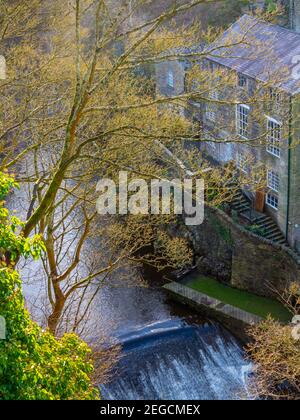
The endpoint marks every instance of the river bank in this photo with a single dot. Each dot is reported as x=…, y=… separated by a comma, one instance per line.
x=237, y=310
x=236, y=321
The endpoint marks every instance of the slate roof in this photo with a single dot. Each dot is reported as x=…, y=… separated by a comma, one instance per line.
x=184, y=54
x=260, y=50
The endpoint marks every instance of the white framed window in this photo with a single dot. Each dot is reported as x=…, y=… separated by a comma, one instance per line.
x=242, y=120
x=275, y=95
x=170, y=78
x=274, y=129
x=272, y=200
x=241, y=161
x=242, y=81
x=273, y=180
x=211, y=108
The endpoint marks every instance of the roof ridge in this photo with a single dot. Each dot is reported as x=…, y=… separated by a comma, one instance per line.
x=265, y=22
x=281, y=43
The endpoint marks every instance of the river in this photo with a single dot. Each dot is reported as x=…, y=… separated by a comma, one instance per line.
x=169, y=352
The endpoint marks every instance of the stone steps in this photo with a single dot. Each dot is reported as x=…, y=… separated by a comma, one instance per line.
x=239, y=203
x=270, y=230
x=264, y=223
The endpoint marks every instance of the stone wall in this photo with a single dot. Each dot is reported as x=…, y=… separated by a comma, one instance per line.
x=213, y=246
x=177, y=68
x=240, y=258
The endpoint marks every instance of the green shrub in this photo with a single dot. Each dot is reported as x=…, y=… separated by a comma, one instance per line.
x=34, y=365
x=257, y=230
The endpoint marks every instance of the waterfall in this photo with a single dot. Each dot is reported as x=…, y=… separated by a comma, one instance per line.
x=176, y=359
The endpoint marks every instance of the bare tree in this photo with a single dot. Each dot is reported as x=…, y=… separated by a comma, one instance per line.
x=76, y=110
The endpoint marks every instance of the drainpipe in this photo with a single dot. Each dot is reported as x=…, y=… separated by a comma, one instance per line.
x=289, y=168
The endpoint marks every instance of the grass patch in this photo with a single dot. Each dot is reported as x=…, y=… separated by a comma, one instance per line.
x=249, y=302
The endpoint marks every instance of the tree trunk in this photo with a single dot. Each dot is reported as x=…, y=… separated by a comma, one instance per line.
x=54, y=318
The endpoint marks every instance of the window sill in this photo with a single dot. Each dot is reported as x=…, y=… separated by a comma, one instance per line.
x=242, y=137
x=272, y=207
x=273, y=190
x=273, y=154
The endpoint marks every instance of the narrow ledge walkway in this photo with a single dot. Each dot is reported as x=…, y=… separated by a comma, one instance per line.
x=201, y=299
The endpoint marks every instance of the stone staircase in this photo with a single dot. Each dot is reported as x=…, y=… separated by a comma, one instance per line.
x=240, y=203
x=270, y=230
x=260, y=223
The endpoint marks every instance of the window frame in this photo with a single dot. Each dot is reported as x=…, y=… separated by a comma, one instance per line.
x=214, y=95
x=170, y=79
x=272, y=198
x=241, y=76
x=271, y=145
x=275, y=95
x=241, y=162
x=273, y=180
x=238, y=121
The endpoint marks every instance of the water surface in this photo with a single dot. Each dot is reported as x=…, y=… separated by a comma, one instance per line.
x=170, y=352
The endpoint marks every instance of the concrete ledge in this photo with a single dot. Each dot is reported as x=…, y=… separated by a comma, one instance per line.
x=200, y=299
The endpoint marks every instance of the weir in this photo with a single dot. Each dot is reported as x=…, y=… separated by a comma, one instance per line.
x=176, y=360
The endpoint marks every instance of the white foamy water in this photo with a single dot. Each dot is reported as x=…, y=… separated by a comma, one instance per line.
x=180, y=362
